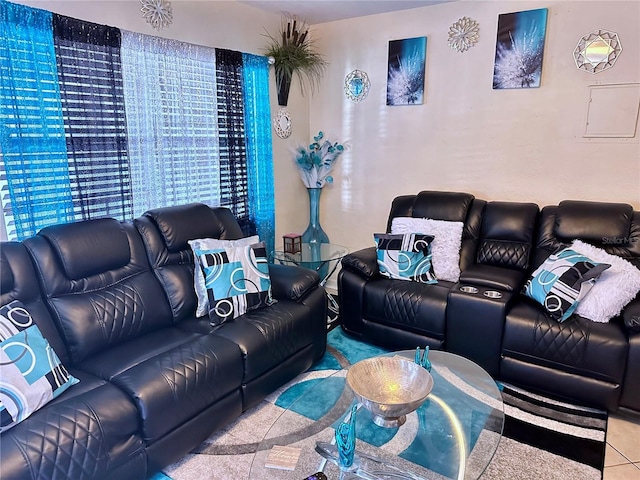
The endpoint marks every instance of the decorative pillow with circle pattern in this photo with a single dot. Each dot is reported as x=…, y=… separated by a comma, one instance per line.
x=563, y=281
x=31, y=374
x=237, y=280
x=201, y=244
x=405, y=257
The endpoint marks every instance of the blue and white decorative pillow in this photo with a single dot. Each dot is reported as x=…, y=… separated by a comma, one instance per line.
x=237, y=280
x=31, y=374
x=405, y=256
x=562, y=281
x=201, y=244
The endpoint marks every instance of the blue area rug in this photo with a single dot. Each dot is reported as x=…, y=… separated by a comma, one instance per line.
x=542, y=438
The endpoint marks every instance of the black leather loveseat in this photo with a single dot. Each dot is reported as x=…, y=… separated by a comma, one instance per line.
x=116, y=302
x=512, y=337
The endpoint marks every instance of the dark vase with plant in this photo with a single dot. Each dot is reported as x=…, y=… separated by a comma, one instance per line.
x=292, y=52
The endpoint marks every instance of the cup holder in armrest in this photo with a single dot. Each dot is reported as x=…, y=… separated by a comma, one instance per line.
x=468, y=289
x=492, y=294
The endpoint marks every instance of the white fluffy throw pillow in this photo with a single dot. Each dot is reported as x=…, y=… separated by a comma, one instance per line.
x=445, y=246
x=616, y=287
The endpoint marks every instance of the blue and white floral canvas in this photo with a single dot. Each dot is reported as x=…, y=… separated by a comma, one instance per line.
x=406, y=71
x=519, y=49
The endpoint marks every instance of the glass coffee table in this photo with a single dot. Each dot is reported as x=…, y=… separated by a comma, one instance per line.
x=454, y=434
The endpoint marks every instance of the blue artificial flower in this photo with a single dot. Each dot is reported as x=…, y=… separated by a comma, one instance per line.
x=315, y=162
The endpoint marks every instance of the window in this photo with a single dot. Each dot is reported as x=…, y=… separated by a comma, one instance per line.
x=101, y=122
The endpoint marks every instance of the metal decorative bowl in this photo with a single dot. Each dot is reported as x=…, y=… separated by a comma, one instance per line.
x=389, y=387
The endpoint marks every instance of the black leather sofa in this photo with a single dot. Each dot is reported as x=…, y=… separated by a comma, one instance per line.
x=512, y=337
x=116, y=302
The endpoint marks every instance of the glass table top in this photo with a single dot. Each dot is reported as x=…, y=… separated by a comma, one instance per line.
x=312, y=253
x=454, y=434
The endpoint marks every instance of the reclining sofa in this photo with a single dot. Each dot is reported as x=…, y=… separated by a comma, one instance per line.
x=116, y=302
x=512, y=337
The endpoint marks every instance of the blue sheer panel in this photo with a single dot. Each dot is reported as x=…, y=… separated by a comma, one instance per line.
x=90, y=78
x=257, y=121
x=32, y=139
x=172, y=122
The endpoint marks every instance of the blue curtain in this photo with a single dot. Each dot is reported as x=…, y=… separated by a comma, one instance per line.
x=257, y=115
x=32, y=137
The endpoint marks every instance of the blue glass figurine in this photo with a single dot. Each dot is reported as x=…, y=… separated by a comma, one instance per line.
x=424, y=359
x=346, y=439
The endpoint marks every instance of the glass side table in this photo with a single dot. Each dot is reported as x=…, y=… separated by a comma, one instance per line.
x=321, y=257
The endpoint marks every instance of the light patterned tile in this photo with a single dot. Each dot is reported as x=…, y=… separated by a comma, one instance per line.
x=623, y=434
x=613, y=457
x=622, y=472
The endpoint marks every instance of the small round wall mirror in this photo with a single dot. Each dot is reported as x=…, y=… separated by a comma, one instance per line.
x=282, y=123
x=597, y=51
x=356, y=86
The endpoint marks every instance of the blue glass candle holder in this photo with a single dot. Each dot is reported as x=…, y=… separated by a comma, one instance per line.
x=346, y=440
x=423, y=360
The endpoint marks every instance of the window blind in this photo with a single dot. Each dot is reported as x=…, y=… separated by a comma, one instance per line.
x=90, y=79
x=172, y=121
x=233, y=155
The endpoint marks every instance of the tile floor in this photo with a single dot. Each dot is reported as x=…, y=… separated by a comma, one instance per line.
x=622, y=459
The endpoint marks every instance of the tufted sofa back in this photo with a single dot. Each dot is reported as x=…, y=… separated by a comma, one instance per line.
x=18, y=281
x=614, y=227
x=507, y=234
x=166, y=233
x=96, y=279
x=448, y=206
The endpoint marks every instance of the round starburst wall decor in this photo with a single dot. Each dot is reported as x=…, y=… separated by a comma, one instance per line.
x=158, y=13
x=464, y=34
x=597, y=51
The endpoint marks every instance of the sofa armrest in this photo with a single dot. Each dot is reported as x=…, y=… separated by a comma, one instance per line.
x=489, y=276
x=363, y=262
x=292, y=282
x=631, y=315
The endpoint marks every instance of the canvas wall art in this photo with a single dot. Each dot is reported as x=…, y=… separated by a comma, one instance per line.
x=405, y=71
x=519, y=49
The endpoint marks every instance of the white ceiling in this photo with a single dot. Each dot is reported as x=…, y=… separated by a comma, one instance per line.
x=321, y=11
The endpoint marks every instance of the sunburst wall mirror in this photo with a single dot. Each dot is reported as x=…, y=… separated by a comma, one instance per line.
x=597, y=51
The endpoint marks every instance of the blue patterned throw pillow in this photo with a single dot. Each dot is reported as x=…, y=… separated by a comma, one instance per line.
x=31, y=373
x=201, y=244
x=562, y=281
x=405, y=256
x=237, y=280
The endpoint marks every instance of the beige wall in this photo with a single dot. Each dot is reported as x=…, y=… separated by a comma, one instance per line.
x=513, y=145
x=516, y=145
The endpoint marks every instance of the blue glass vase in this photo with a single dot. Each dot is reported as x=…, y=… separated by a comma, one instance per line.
x=314, y=232
x=315, y=236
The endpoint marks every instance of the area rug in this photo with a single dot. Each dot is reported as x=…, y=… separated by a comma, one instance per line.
x=542, y=438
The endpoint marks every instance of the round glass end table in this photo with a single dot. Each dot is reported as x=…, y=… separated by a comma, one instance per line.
x=320, y=257
x=453, y=435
